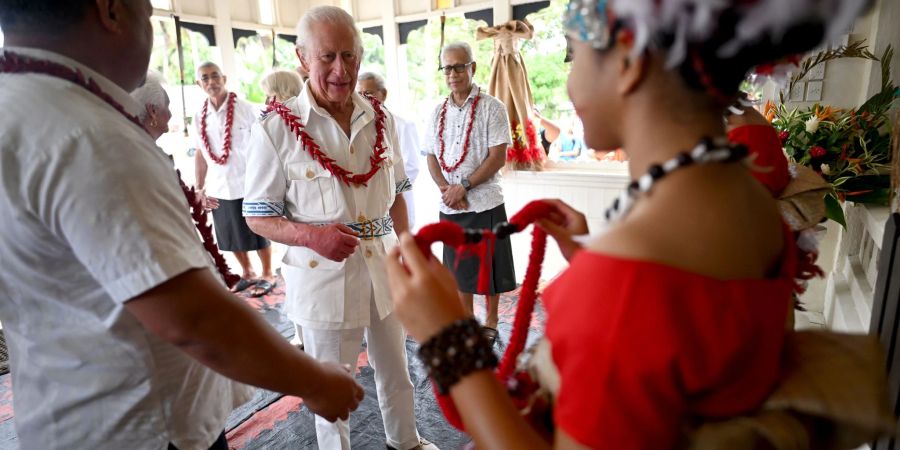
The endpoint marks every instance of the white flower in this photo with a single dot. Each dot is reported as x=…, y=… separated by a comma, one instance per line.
x=812, y=124
x=826, y=169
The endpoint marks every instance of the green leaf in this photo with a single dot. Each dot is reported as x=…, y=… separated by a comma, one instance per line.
x=834, y=211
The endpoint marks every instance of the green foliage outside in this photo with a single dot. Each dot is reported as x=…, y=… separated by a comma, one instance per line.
x=373, y=54
x=543, y=56
x=164, y=58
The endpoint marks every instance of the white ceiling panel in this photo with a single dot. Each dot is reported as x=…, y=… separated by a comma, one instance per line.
x=196, y=7
x=244, y=11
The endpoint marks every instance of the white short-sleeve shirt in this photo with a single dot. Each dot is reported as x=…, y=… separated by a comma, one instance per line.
x=225, y=181
x=410, y=148
x=283, y=179
x=93, y=217
x=490, y=129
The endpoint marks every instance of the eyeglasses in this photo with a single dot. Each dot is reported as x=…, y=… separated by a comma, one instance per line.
x=458, y=68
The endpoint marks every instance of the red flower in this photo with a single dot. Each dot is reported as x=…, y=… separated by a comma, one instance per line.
x=783, y=136
x=817, y=152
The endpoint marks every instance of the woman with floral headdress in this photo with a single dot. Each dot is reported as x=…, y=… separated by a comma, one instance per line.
x=675, y=313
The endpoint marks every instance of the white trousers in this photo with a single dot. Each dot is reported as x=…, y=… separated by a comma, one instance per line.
x=386, y=343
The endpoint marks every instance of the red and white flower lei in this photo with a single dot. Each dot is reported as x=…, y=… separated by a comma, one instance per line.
x=309, y=144
x=19, y=64
x=229, y=121
x=465, y=151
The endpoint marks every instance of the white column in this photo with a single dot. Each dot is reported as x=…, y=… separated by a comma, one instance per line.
x=391, y=35
x=502, y=12
x=225, y=39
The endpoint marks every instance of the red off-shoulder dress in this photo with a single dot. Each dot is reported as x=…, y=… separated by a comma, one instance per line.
x=641, y=347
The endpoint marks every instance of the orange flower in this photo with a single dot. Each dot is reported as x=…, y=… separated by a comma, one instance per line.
x=770, y=110
x=827, y=113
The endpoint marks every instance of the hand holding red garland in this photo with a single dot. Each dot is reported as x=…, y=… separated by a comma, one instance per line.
x=562, y=225
x=423, y=275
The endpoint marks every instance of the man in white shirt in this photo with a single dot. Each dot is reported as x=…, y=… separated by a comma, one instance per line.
x=118, y=327
x=371, y=83
x=466, y=150
x=221, y=135
x=332, y=197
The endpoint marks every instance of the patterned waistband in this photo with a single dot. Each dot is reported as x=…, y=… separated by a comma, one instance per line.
x=371, y=229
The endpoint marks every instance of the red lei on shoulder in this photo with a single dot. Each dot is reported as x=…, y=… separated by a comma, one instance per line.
x=229, y=122
x=309, y=144
x=19, y=64
x=465, y=151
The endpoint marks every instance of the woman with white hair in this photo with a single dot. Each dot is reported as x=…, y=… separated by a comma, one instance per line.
x=155, y=114
x=281, y=85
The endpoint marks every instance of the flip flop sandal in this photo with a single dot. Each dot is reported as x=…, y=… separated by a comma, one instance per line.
x=264, y=288
x=242, y=285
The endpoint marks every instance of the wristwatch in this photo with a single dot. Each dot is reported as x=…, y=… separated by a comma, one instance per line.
x=465, y=184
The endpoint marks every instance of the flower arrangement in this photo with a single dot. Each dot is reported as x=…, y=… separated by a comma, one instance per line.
x=850, y=148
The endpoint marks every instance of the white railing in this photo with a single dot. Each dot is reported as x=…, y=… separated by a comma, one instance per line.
x=588, y=190
x=850, y=285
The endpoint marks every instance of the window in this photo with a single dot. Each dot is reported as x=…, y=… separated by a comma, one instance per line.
x=254, y=54
x=373, y=54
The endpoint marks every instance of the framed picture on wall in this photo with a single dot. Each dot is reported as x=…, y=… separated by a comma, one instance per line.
x=444, y=4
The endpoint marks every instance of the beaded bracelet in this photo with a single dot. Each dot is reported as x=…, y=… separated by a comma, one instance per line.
x=458, y=350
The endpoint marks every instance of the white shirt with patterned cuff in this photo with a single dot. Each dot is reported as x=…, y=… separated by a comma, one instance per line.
x=225, y=181
x=283, y=179
x=94, y=217
x=491, y=128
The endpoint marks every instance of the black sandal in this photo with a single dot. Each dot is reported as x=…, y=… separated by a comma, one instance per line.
x=491, y=334
x=264, y=288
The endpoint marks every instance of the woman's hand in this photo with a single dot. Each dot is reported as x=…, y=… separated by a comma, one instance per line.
x=562, y=225
x=423, y=290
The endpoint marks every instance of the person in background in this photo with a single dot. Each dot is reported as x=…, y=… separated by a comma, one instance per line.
x=570, y=146
x=281, y=85
x=549, y=130
x=469, y=137
x=126, y=334
x=153, y=99
x=222, y=134
x=371, y=83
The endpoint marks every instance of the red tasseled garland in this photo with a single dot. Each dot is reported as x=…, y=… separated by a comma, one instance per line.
x=527, y=153
x=453, y=235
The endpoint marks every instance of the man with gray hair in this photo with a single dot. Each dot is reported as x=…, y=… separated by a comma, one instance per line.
x=221, y=135
x=323, y=176
x=466, y=150
x=371, y=83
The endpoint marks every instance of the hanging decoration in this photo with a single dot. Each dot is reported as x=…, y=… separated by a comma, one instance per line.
x=509, y=83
